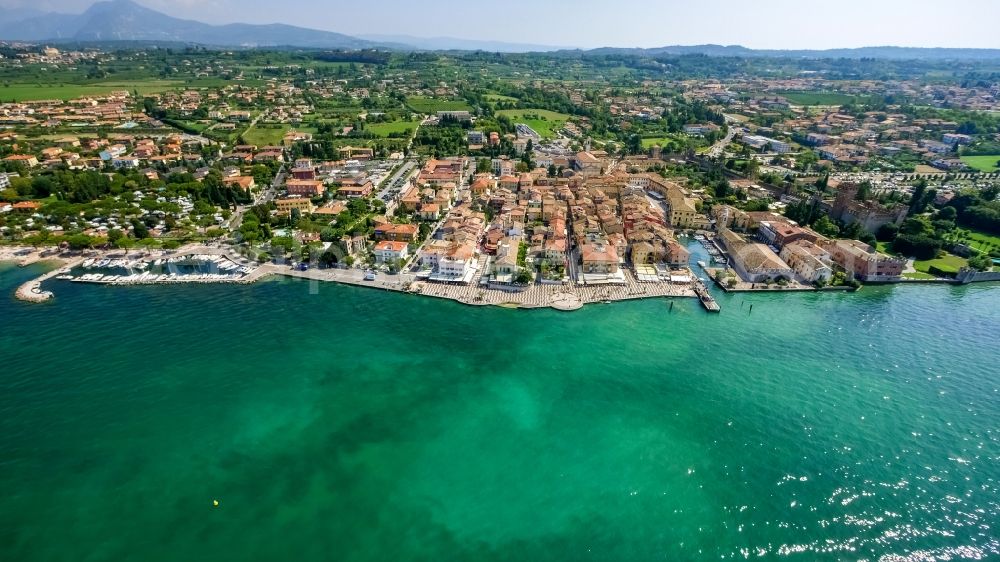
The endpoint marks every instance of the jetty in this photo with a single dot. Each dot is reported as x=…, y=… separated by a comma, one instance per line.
x=31, y=291
x=706, y=298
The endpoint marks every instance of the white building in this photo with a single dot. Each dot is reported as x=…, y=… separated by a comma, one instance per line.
x=700, y=128
x=125, y=162
x=503, y=166
x=389, y=251
x=766, y=143
x=809, y=261
x=454, y=266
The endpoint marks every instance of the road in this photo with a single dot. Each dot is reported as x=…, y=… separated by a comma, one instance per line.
x=719, y=148
x=389, y=185
x=263, y=197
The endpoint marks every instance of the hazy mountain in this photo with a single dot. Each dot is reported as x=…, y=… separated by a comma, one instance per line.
x=127, y=21
x=12, y=15
x=457, y=44
x=124, y=20
x=856, y=53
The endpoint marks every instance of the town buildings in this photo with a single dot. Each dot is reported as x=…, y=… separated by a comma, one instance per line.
x=863, y=262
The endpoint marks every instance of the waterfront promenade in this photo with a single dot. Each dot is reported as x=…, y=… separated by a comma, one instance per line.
x=561, y=296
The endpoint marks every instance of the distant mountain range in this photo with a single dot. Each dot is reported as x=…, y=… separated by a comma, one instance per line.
x=127, y=22
x=888, y=52
x=457, y=44
x=124, y=20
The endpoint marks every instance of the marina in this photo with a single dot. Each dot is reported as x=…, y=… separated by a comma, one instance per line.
x=196, y=266
x=718, y=256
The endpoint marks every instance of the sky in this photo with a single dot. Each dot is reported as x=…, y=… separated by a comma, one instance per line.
x=774, y=24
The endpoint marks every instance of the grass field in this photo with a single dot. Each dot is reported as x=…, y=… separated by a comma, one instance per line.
x=498, y=97
x=264, y=135
x=979, y=240
x=918, y=275
x=24, y=92
x=983, y=163
x=543, y=121
x=433, y=105
x=950, y=263
x=817, y=98
x=885, y=248
x=385, y=129
x=650, y=141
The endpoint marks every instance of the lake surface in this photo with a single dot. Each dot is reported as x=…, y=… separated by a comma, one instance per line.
x=344, y=423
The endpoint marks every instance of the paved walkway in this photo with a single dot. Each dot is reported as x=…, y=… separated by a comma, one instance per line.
x=561, y=297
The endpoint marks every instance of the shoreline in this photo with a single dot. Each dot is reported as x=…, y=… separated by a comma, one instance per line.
x=563, y=297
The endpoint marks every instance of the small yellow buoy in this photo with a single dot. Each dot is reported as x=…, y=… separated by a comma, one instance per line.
x=215, y=503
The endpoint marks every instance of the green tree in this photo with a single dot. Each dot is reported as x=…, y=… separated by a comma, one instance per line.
x=124, y=243
x=139, y=229
x=947, y=213
x=79, y=241
x=826, y=227
x=981, y=262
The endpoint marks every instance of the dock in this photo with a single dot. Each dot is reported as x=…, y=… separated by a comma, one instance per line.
x=706, y=298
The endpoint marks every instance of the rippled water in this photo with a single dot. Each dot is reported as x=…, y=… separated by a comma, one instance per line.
x=345, y=423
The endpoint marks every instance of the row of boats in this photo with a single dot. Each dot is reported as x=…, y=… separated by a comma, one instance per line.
x=102, y=263
x=214, y=263
x=148, y=278
x=712, y=249
x=221, y=263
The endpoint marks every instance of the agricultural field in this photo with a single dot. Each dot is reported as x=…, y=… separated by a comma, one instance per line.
x=433, y=105
x=27, y=92
x=266, y=134
x=985, y=164
x=543, y=121
x=818, y=98
x=493, y=98
x=385, y=129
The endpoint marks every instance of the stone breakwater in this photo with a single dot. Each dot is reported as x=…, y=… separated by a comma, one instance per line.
x=32, y=290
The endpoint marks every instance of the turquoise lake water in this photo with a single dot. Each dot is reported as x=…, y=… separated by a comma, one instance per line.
x=353, y=424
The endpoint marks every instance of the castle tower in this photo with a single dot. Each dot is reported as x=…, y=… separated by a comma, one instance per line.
x=846, y=193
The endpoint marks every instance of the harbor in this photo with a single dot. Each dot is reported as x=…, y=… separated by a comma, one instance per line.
x=202, y=264
x=713, y=249
x=186, y=268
